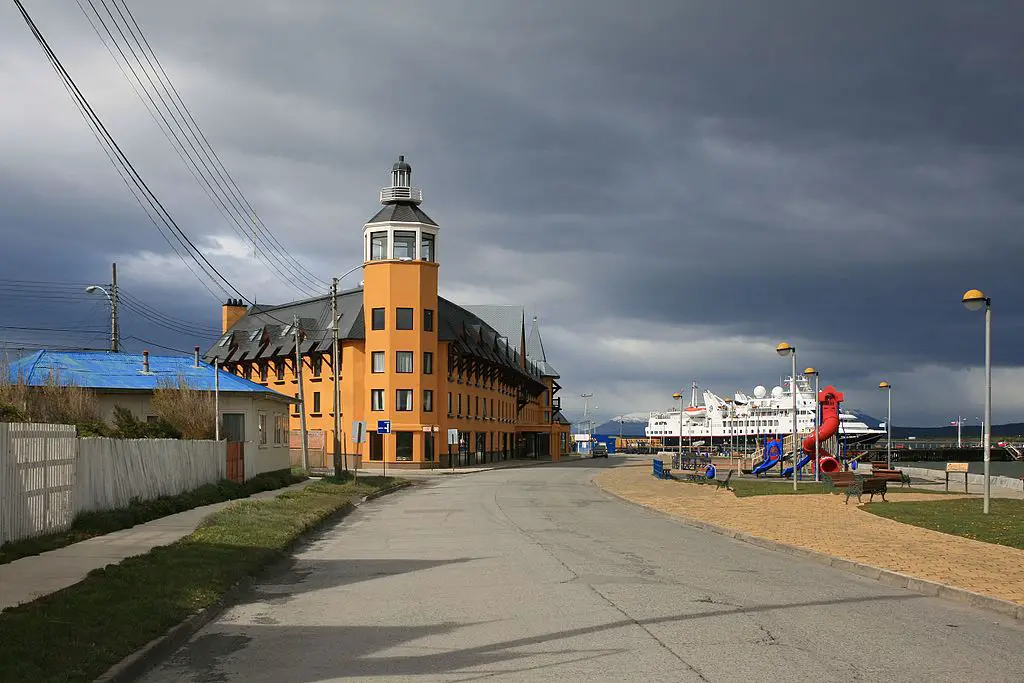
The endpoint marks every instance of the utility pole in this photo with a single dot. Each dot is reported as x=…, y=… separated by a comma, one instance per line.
x=336, y=370
x=302, y=403
x=216, y=399
x=115, y=330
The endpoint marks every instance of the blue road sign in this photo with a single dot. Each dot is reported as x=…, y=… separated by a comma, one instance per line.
x=383, y=426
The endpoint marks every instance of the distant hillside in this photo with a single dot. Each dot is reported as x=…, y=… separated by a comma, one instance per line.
x=967, y=431
x=631, y=425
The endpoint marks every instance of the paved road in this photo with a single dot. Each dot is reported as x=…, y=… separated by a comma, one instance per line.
x=534, y=574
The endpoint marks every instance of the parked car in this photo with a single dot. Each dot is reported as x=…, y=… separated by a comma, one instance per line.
x=600, y=451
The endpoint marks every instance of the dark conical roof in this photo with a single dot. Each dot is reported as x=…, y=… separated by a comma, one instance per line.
x=401, y=164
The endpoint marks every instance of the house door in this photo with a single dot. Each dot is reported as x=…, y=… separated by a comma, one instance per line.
x=234, y=432
x=234, y=426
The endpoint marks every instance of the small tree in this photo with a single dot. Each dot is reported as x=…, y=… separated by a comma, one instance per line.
x=127, y=426
x=188, y=410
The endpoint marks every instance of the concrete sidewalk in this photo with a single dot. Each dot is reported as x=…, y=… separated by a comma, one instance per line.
x=375, y=469
x=37, y=575
x=823, y=523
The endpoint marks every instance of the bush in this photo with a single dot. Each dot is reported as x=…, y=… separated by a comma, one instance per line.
x=187, y=410
x=127, y=426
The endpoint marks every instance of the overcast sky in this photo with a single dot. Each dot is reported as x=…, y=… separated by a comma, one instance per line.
x=672, y=187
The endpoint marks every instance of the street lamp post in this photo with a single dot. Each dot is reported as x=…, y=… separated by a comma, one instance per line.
x=817, y=457
x=679, y=397
x=974, y=300
x=785, y=349
x=887, y=388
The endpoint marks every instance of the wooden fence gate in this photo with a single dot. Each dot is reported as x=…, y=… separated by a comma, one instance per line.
x=236, y=461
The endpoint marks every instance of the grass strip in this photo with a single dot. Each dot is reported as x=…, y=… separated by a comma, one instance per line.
x=90, y=524
x=78, y=633
x=1004, y=525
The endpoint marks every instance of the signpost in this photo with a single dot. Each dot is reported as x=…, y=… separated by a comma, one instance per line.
x=384, y=427
x=956, y=467
x=453, y=439
x=358, y=437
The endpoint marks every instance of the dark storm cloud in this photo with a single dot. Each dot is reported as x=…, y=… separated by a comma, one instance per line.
x=833, y=173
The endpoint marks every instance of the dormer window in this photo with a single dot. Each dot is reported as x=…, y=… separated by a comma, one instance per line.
x=225, y=340
x=255, y=335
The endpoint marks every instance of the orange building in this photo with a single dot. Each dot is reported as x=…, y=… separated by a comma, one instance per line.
x=406, y=355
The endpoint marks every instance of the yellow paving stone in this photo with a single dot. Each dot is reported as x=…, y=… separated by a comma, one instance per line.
x=826, y=524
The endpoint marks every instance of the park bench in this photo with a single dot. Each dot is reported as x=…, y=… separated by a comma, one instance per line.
x=690, y=475
x=840, y=479
x=660, y=471
x=870, y=486
x=724, y=482
x=890, y=475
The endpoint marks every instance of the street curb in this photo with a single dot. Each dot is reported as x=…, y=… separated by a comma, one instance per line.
x=155, y=651
x=885, y=576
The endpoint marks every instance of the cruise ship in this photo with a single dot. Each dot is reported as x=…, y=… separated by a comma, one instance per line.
x=745, y=420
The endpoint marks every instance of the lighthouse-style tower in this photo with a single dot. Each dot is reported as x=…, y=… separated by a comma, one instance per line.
x=400, y=322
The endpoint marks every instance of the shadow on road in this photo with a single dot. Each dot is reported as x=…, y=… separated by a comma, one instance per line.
x=353, y=650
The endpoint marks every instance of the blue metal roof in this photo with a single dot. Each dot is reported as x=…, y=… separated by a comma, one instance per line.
x=110, y=371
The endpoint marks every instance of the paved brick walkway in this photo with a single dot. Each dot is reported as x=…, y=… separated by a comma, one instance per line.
x=825, y=524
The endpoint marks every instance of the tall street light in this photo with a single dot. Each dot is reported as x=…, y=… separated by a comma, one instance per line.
x=679, y=397
x=112, y=299
x=974, y=300
x=887, y=388
x=817, y=458
x=784, y=350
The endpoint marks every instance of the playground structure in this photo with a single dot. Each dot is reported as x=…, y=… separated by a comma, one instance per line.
x=778, y=451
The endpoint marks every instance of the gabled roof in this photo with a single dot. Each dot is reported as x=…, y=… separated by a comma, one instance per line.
x=108, y=371
x=535, y=351
x=401, y=212
x=507, y=320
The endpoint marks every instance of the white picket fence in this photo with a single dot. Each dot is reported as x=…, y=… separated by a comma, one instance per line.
x=111, y=472
x=37, y=477
x=48, y=476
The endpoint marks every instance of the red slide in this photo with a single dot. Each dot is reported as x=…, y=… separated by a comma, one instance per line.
x=829, y=398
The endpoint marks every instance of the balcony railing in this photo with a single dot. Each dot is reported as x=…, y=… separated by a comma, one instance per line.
x=409, y=194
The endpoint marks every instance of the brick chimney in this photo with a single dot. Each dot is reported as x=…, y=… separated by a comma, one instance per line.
x=230, y=313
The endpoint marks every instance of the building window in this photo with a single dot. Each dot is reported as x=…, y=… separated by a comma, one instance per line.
x=378, y=246
x=295, y=406
x=405, y=244
x=280, y=429
x=403, y=446
x=403, y=400
x=377, y=399
x=427, y=247
x=280, y=370
x=403, y=361
x=485, y=407
x=263, y=372
x=428, y=446
x=460, y=405
x=316, y=402
x=492, y=408
x=263, y=429
x=476, y=410
x=449, y=403
x=377, y=319
x=403, y=319
x=428, y=320
x=377, y=360
x=428, y=363
x=376, y=446
x=428, y=400
x=317, y=365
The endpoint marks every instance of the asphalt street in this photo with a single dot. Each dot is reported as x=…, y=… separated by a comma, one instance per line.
x=534, y=574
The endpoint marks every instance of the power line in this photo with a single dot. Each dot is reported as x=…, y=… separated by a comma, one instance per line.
x=127, y=170
x=203, y=162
